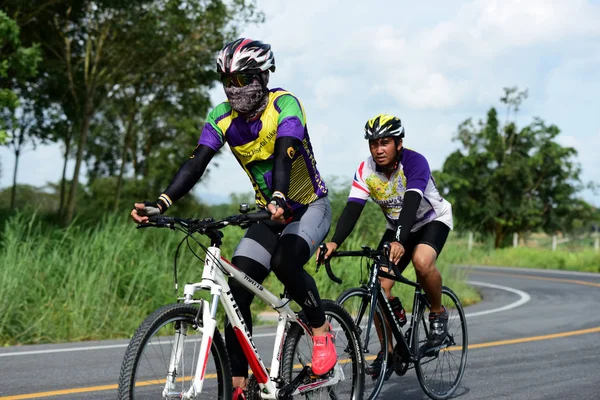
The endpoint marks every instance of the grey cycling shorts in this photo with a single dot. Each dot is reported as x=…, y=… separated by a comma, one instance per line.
x=311, y=223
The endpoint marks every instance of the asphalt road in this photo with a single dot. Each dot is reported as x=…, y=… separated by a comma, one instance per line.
x=535, y=335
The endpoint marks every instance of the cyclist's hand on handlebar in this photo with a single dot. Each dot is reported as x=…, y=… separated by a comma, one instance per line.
x=276, y=212
x=279, y=209
x=396, y=252
x=331, y=247
x=141, y=211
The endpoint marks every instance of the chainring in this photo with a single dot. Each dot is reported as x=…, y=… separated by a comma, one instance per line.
x=252, y=389
x=400, y=366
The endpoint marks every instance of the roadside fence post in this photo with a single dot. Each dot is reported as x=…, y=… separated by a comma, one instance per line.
x=470, y=242
x=515, y=239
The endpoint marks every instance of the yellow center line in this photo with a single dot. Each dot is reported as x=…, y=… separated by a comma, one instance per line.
x=540, y=278
x=212, y=376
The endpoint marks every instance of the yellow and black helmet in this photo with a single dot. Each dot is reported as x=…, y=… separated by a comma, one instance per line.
x=384, y=125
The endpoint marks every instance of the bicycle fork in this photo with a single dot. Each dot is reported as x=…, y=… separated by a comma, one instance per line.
x=206, y=328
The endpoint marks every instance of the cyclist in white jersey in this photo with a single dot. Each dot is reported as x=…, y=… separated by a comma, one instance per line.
x=418, y=217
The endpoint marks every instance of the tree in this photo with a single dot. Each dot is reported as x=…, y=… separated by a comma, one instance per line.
x=94, y=50
x=17, y=65
x=157, y=114
x=505, y=180
x=27, y=126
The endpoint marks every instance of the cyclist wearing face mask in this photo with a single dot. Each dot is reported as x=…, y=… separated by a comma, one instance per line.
x=267, y=133
x=418, y=218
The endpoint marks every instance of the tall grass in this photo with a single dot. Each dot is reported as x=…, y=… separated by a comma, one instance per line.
x=81, y=283
x=99, y=281
x=573, y=258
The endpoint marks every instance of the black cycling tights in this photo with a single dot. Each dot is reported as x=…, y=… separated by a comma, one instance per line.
x=287, y=262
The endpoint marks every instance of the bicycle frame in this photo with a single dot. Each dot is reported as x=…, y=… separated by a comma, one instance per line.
x=213, y=280
x=407, y=346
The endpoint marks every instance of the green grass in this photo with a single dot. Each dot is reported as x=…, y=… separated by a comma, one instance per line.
x=81, y=283
x=575, y=257
x=99, y=281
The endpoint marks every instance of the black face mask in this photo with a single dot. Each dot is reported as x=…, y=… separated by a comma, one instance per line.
x=249, y=100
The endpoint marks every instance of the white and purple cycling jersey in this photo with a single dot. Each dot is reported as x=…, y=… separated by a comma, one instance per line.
x=413, y=173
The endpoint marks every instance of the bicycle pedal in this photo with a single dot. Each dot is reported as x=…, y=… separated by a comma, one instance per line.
x=316, y=378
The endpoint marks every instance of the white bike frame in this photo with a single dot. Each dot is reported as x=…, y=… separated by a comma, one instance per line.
x=213, y=279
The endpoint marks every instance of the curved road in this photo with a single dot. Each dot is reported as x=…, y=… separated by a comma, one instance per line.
x=535, y=335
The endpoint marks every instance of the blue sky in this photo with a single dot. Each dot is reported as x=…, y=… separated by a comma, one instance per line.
x=432, y=64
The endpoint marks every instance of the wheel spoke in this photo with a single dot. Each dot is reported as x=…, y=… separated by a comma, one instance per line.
x=440, y=369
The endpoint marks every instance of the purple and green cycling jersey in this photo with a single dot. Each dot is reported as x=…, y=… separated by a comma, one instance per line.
x=253, y=145
x=412, y=174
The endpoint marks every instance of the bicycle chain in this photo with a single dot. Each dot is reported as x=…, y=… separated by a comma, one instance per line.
x=400, y=366
x=252, y=389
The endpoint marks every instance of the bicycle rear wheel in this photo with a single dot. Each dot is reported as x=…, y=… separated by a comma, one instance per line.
x=297, y=353
x=357, y=301
x=146, y=362
x=440, y=370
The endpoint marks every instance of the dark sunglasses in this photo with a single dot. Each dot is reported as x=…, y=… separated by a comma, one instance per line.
x=237, y=80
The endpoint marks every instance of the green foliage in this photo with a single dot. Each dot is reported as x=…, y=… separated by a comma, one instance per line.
x=100, y=277
x=17, y=64
x=578, y=255
x=30, y=198
x=131, y=79
x=507, y=180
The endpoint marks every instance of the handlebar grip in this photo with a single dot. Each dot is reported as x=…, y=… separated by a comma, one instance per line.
x=143, y=225
x=260, y=215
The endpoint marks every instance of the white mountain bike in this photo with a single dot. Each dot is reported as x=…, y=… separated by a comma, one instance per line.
x=178, y=353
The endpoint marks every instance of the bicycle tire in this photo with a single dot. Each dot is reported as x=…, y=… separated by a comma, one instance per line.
x=297, y=352
x=145, y=364
x=352, y=301
x=433, y=366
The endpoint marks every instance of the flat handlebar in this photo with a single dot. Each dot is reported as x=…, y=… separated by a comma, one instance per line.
x=205, y=225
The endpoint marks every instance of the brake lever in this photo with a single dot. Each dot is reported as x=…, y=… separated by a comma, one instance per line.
x=321, y=258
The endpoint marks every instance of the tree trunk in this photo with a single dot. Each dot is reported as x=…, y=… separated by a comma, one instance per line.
x=18, y=146
x=126, y=145
x=63, y=180
x=13, y=195
x=85, y=127
x=498, y=236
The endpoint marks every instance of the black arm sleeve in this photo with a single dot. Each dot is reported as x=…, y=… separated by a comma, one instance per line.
x=407, y=216
x=190, y=173
x=285, y=148
x=347, y=221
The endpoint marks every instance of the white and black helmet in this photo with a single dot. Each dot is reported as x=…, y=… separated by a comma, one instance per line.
x=384, y=125
x=245, y=56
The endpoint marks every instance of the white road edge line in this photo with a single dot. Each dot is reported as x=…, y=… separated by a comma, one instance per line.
x=474, y=268
x=524, y=298
x=69, y=349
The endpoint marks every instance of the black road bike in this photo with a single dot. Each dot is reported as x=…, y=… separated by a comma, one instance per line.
x=439, y=369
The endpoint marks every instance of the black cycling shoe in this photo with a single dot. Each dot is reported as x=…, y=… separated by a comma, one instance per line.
x=438, y=328
x=375, y=368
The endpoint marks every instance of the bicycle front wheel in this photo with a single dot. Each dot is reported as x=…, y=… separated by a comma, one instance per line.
x=297, y=353
x=172, y=331
x=357, y=301
x=440, y=370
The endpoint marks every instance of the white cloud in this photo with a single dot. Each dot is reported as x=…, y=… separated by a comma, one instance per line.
x=328, y=89
x=432, y=66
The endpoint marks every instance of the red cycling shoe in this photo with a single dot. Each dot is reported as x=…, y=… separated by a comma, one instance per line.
x=324, y=355
x=238, y=394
